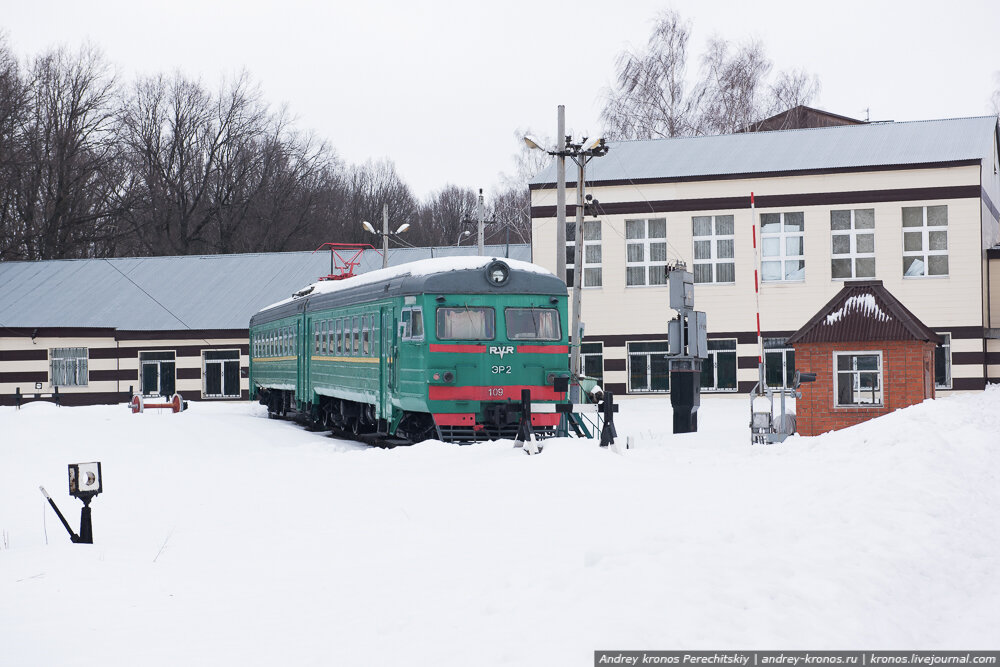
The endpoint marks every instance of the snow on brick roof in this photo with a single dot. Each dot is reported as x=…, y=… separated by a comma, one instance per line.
x=863, y=310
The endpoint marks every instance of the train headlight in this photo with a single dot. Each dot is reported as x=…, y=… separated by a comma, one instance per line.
x=497, y=272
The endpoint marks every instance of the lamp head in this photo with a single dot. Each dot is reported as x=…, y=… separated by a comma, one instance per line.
x=403, y=227
x=368, y=226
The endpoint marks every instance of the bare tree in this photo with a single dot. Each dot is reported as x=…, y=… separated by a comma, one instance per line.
x=650, y=98
x=14, y=105
x=65, y=180
x=995, y=98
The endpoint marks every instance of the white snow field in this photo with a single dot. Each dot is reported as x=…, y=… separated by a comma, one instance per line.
x=225, y=538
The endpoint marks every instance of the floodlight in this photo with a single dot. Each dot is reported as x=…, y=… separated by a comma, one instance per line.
x=595, y=143
x=532, y=144
x=85, y=480
x=403, y=227
x=368, y=226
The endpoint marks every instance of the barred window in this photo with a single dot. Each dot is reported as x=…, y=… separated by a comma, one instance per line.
x=68, y=366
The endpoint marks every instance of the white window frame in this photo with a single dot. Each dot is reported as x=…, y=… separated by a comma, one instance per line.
x=852, y=233
x=649, y=366
x=782, y=257
x=61, y=371
x=714, y=240
x=651, y=269
x=590, y=268
x=925, y=230
x=946, y=345
x=856, y=384
x=222, y=362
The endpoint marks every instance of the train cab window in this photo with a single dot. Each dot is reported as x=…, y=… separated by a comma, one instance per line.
x=412, y=324
x=466, y=323
x=532, y=324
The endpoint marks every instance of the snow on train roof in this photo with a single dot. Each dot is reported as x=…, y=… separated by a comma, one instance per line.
x=422, y=267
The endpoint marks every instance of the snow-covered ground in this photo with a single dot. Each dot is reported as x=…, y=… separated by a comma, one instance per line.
x=224, y=538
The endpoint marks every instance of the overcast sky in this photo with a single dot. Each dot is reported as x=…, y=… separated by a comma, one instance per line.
x=441, y=87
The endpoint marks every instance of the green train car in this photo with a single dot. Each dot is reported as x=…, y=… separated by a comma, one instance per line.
x=439, y=348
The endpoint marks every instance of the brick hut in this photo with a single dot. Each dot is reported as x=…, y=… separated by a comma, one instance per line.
x=870, y=354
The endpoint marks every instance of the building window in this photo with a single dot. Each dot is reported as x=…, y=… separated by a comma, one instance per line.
x=942, y=362
x=859, y=378
x=68, y=366
x=779, y=363
x=714, y=248
x=718, y=371
x=647, y=367
x=781, y=247
x=925, y=241
x=645, y=252
x=592, y=361
x=591, y=253
x=852, y=235
x=158, y=372
x=221, y=373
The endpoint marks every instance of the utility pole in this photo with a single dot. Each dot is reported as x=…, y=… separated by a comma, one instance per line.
x=480, y=214
x=581, y=153
x=385, y=235
x=560, y=194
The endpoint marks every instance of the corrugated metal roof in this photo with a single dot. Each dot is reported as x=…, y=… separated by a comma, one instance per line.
x=864, y=310
x=842, y=147
x=176, y=293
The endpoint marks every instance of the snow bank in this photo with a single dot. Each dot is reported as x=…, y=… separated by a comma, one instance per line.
x=223, y=537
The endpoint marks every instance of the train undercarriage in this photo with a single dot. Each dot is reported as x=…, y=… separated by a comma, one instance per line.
x=358, y=421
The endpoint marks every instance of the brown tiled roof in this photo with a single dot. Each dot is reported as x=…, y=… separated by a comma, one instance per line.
x=863, y=310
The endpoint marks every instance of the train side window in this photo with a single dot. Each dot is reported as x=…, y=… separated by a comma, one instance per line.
x=316, y=337
x=466, y=323
x=365, y=349
x=335, y=344
x=357, y=336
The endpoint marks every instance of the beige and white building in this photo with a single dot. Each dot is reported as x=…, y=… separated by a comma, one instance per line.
x=913, y=204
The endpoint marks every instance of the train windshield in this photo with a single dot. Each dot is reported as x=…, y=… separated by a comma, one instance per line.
x=465, y=323
x=532, y=324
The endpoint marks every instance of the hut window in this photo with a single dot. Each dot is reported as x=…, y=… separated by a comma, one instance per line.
x=859, y=378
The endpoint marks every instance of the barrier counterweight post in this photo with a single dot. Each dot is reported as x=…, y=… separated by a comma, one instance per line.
x=608, y=431
x=86, y=526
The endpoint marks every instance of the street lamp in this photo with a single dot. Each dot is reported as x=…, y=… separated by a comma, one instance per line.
x=581, y=153
x=385, y=234
x=462, y=236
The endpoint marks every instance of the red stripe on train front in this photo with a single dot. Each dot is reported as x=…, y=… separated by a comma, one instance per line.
x=512, y=392
x=544, y=349
x=545, y=419
x=455, y=418
x=437, y=347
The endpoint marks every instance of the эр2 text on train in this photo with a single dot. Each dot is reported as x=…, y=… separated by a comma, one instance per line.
x=439, y=348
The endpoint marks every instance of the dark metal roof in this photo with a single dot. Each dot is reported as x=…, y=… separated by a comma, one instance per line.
x=863, y=310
